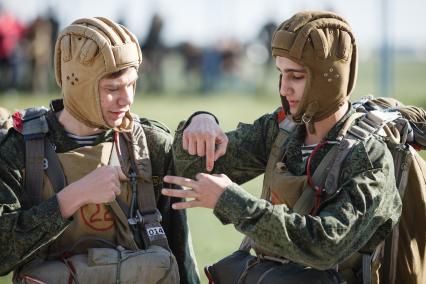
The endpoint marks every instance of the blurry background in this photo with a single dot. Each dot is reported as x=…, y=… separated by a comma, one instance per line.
x=211, y=55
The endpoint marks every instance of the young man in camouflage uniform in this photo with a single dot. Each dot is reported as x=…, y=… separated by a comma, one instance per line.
x=96, y=64
x=315, y=56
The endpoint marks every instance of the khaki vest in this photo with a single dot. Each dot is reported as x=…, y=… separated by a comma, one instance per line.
x=93, y=224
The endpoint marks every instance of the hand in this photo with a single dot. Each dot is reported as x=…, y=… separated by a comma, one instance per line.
x=201, y=137
x=205, y=190
x=102, y=185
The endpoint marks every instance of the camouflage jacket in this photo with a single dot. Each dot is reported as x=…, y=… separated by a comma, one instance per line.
x=361, y=215
x=23, y=231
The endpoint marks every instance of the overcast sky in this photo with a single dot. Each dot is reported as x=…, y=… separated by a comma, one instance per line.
x=205, y=21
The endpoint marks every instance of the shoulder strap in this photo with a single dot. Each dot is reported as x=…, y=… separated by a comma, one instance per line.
x=143, y=213
x=39, y=155
x=286, y=126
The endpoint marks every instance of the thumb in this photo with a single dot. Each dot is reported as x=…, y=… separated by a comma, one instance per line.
x=221, y=146
x=121, y=175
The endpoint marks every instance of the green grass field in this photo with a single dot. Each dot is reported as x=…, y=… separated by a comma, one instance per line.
x=212, y=240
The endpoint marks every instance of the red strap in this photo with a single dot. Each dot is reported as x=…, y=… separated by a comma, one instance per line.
x=64, y=257
x=416, y=146
x=208, y=274
x=117, y=143
x=17, y=121
x=30, y=279
x=281, y=115
x=318, y=190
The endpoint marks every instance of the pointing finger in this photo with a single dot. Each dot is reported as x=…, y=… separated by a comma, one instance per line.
x=210, y=155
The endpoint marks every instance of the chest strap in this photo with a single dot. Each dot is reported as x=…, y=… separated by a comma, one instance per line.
x=143, y=217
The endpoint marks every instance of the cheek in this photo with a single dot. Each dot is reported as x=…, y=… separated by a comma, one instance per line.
x=301, y=88
x=106, y=101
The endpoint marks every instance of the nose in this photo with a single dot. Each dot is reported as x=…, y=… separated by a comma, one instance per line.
x=126, y=96
x=285, y=89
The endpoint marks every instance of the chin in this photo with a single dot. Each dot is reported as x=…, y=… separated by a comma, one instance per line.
x=115, y=123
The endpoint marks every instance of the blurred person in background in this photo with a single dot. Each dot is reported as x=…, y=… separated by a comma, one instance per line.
x=11, y=32
x=154, y=52
x=40, y=53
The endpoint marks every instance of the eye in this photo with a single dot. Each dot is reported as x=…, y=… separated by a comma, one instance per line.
x=112, y=90
x=297, y=76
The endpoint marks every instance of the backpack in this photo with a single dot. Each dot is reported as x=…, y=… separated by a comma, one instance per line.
x=401, y=258
x=143, y=243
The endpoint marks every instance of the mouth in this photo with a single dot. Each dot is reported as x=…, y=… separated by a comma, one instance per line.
x=118, y=114
x=292, y=103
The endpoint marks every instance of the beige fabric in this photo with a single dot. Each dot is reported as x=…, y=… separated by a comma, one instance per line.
x=411, y=259
x=91, y=222
x=282, y=179
x=86, y=51
x=107, y=266
x=324, y=44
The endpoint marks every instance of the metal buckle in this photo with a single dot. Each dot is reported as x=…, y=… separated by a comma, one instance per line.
x=137, y=219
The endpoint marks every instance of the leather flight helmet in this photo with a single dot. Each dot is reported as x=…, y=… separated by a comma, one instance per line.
x=324, y=44
x=86, y=51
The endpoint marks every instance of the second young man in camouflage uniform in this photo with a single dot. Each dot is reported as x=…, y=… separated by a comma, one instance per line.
x=316, y=58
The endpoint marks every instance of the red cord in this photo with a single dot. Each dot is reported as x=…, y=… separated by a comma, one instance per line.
x=318, y=190
x=117, y=143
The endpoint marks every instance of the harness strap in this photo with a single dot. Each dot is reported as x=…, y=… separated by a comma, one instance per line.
x=34, y=130
x=146, y=215
x=54, y=170
x=121, y=211
x=34, y=151
x=305, y=204
x=343, y=149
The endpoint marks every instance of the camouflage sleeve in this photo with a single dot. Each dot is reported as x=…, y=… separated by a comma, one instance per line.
x=174, y=221
x=22, y=231
x=246, y=156
x=367, y=205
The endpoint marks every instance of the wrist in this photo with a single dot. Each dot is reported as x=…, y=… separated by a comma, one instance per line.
x=70, y=200
x=198, y=113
